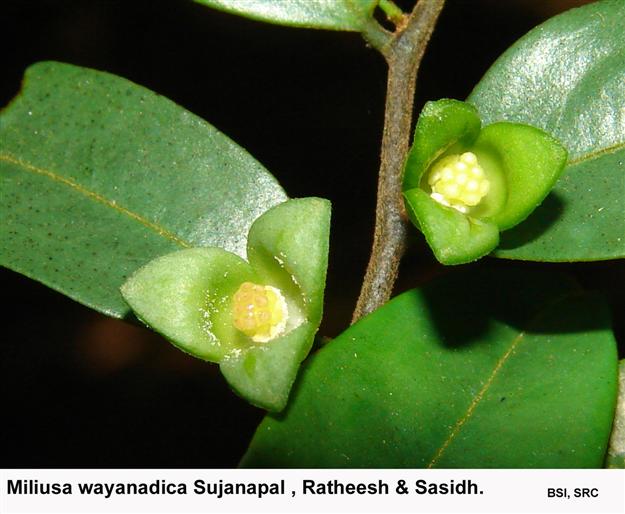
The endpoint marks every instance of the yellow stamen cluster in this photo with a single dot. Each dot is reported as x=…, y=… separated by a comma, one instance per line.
x=458, y=181
x=260, y=312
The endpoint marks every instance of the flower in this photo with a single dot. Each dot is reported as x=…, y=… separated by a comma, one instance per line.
x=463, y=184
x=256, y=318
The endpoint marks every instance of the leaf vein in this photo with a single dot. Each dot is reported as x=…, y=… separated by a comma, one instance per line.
x=597, y=153
x=96, y=197
x=482, y=392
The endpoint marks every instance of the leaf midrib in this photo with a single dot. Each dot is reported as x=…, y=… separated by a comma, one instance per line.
x=462, y=420
x=97, y=197
x=597, y=153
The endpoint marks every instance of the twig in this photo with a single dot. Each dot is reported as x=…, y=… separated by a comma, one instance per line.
x=403, y=52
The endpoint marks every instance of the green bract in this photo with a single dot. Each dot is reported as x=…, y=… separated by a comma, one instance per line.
x=188, y=296
x=460, y=213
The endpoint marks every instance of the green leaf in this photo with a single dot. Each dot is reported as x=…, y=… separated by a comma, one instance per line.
x=616, y=450
x=568, y=77
x=189, y=297
x=98, y=176
x=458, y=374
x=315, y=14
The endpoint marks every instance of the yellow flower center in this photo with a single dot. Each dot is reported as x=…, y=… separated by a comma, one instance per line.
x=458, y=181
x=260, y=312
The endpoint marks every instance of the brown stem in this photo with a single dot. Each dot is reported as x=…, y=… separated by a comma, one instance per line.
x=403, y=52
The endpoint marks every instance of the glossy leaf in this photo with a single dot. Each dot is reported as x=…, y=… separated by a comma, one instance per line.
x=568, y=77
x=317, y=14
x=458, y=374
x=616, y=451
x=99, y=176
x=188, y=296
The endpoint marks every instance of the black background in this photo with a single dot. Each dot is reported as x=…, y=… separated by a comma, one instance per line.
x=82, y=390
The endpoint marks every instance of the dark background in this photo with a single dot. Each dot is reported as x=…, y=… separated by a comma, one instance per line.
x=82, y=390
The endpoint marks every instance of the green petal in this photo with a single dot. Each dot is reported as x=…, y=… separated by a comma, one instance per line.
x=455, y=238
x=288, y=248
x=185, y=296
x=265, y=373
x=441, y=126
x=531, y=161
